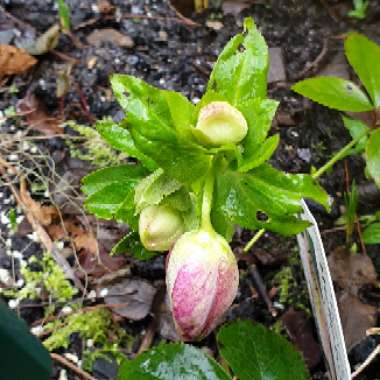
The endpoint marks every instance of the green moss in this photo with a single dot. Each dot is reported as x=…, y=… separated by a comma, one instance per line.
x=94, y=325
x=48, y=279
x=92, y=148
x=291, y=284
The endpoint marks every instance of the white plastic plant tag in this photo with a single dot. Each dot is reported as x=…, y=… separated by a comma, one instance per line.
x=322, y=298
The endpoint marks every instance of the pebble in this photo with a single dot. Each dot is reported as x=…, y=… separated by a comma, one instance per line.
x=72, y=357
x=66, y=310
x=103, y=292
x=37, y=330
x=5, y=277
x=63, y=375
x=13, y=303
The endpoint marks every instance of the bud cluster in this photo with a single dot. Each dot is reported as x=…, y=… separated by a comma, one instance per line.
x=202, y=274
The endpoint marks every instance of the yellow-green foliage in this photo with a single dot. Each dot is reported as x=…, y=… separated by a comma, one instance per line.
x=94, y=325
x=93, y=148
x=48, y=278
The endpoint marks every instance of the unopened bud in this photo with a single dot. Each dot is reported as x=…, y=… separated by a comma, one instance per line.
x=160, y=227
x=219, y=124
x=202, y=279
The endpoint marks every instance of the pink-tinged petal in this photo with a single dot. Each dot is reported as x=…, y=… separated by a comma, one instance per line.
x=202, y=280
x=190, y=305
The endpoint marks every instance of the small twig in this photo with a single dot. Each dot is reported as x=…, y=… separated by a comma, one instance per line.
x=84, y=104
x=70, y=365
x=367, y=362
x=15, y=19
x=312, y=67
x=148, y=337
x=37, y=227
x=261, y=288
x=64, y=57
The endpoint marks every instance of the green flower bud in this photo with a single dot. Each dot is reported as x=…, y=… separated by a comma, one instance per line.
x=160, y=227
x=219, y=123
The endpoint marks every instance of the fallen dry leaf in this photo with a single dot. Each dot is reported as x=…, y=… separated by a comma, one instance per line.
x=137, y=295
x=37, y=117
x=43, y=214
x=357, y=317
x=300, y=331
x=98, y=36
x=46, y=42
x=351, y=271
x=14, y=61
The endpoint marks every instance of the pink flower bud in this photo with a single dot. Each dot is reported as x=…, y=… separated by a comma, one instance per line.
x=202, y=280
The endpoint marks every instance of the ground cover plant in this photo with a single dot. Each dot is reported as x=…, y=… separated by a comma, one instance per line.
x=190, y=180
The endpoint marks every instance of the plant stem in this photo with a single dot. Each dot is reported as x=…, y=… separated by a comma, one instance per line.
x=207, y=200
x=255, y=238
x=338, y=156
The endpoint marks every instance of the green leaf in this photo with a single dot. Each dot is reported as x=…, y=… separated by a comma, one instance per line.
x=244, y=198
x=64, y=14
x=371, y=234
x=187, y=163
x=101, y=178
x=111, y=192
x=153, y=189
x=262, y=154
x=107, y=202
x=336, y=93
x=372, y=153
x=256, y=353
x=19, y=346
x=240, y=73
x=131, y=245
x=121, y=139
x=356, y=128
x=364, y=56
x=259, y=114
x=172, y=361
x=360, y=9
x=159, y=130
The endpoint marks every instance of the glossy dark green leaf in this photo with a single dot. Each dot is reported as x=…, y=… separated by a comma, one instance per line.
x=154, y=188
x=371, y=234
x=121, y=139
x=356, y=129
x=160, y=123
x=106, y=202
x=173, y=361
x=259, y=114
x=130, y=244
x=264, y=198
x=364, y=56
x=262, y=154
x=101, y=178
x=240, y=73
x=372, y=153
x=22, y=356
x=256, y=353
x=334, y=93
x=183, y=161
x=111, y=192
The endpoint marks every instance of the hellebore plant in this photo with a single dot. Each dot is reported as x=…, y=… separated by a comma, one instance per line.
x=201, y=170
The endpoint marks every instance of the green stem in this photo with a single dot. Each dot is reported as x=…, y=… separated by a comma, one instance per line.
x=255, y=238
x=207, y=200
x=338, y=156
